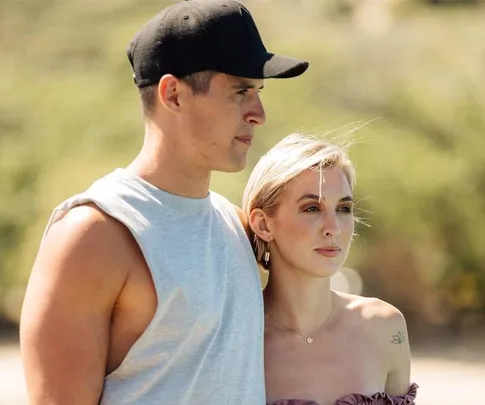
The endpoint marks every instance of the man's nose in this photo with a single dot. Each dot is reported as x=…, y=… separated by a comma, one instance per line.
x=256, y=114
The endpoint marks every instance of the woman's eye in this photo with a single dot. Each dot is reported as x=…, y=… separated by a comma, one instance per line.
x=345, y=208
x=312, y=208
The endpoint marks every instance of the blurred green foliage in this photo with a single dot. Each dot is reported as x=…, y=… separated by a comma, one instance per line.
x=412, y=71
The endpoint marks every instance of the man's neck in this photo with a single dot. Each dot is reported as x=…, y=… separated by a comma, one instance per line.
x=162, y=165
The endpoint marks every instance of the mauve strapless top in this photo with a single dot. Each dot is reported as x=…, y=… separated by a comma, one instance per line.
x=380, y=398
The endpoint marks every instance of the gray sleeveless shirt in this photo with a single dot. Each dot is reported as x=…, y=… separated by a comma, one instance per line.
x=204, y=345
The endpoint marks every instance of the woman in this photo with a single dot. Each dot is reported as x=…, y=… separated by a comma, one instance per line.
x=322, y=347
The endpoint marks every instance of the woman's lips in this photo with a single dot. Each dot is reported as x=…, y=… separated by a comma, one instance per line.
x=329, y=251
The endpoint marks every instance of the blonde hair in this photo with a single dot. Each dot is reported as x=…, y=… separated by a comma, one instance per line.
x=288, y=159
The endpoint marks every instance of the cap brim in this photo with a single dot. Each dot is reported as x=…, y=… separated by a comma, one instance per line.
x=283, y=67
x=268, y=66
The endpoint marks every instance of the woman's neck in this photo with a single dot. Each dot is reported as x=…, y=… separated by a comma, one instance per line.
x=299, y=302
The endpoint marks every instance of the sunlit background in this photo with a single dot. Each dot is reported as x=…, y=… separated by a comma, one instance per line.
x=405, y=77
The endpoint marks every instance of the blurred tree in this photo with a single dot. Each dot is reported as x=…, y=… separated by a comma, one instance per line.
x=70, y=114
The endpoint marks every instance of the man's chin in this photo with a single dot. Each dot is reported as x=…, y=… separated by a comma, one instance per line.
x=233, y=167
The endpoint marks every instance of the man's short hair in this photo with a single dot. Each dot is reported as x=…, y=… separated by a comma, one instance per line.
x=198, y=82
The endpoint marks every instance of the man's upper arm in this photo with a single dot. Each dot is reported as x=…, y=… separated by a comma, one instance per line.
x=65, y=322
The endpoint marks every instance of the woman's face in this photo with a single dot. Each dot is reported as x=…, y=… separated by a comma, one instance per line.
x=312, y=227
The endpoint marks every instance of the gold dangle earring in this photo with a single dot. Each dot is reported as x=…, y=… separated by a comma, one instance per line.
x=267, y=255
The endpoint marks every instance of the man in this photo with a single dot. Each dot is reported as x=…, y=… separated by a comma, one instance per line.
x=145, y=289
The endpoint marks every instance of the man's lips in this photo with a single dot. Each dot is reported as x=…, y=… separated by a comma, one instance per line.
x=246, y=139
x=329, y=251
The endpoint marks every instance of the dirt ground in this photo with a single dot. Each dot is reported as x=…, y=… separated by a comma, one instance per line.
x=448, y=376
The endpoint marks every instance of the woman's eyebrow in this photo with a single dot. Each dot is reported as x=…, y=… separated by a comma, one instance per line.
x=318, y=198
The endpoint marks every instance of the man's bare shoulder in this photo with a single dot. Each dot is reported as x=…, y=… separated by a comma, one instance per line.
x=87, y=238
x=86, y=218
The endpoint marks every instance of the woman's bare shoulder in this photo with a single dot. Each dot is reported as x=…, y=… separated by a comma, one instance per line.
x=383, y=327
x=373, y=311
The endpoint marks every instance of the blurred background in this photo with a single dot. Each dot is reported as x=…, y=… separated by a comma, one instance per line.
x=408, y=74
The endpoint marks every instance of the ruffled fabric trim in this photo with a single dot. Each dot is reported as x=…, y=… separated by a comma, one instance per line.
x=293, y=402
x=380, y=398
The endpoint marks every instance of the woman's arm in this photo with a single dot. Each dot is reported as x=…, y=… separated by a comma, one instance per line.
x=398, y=378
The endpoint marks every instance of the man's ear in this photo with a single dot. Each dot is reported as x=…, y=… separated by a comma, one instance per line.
x=260, y=224
x=169, y=91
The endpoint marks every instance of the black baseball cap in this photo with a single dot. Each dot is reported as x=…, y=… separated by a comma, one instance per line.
x=196, y=35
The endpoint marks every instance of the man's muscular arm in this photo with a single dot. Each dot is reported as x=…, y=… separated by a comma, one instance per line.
x=65, y=324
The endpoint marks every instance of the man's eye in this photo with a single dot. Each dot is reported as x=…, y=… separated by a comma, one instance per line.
x=242, y=92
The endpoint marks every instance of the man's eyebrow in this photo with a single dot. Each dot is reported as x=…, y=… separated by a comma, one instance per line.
x=315, y=197
x=245, y=84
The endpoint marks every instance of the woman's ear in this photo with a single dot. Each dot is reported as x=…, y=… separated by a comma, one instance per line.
x=258, y=221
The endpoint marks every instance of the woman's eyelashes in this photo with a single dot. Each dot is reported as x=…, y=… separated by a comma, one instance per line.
x=311, y=208
x=345, y=208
